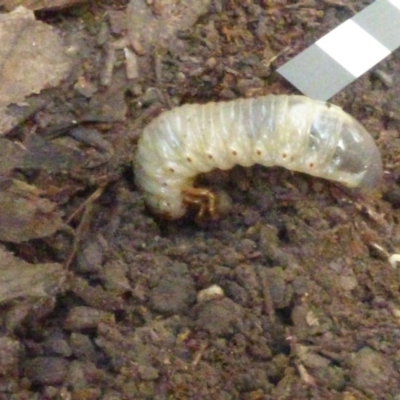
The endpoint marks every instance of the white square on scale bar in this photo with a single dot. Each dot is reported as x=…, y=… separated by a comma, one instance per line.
x=396, y=3
x=353, y=48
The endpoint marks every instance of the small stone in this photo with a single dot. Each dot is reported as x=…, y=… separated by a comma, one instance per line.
x=80, y=318
x=371, y=369
x=84, y=87
x=111, y=395
x=91, y=257
x=219, y=317
x=131, y=63
x=173, y=294
x=210, y=293
x=9, y=353
x=277, y=286
x=46, y=370
x=82, y=347
x=147, y=373
x=384, y=77
x=56, y=344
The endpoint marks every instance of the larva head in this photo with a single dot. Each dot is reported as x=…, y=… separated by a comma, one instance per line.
x=339, y=148
x=325, y=141
x=356, y=154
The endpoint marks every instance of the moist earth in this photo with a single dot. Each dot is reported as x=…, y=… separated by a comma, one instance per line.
x=307, y=303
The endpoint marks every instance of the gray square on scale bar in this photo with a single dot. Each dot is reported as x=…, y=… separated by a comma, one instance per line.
x=382, y=21
x=316, y=74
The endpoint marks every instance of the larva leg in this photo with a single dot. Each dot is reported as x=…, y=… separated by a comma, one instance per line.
x=202, y=198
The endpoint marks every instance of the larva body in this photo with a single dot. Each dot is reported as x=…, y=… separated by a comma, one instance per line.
x=294, y=132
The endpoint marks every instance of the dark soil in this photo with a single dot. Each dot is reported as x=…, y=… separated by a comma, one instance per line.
x=311, y=306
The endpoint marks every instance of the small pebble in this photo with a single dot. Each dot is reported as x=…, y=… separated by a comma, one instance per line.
x=46, y=370
x=173, y=294
x=210, y=293
x=219, y=317
x=80, y=318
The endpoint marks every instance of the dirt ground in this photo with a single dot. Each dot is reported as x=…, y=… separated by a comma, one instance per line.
x=309, y=307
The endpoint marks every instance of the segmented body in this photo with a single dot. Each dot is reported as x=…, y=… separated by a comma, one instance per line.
x=294, y=132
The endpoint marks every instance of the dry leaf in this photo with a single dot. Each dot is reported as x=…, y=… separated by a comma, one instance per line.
x=24, y=215
x=157, y=24
x=19, y=279
x=11, y=155
x=32, y=57
x=40, y=4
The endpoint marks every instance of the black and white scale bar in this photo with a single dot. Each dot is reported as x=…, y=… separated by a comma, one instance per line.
x=346, y=52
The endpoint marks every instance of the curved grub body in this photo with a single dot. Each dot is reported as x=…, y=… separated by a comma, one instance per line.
x=294, y=132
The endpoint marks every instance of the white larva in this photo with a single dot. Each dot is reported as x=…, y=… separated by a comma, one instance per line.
x=294, y=132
